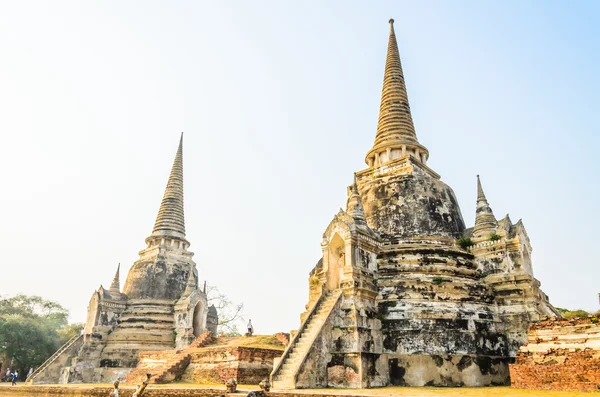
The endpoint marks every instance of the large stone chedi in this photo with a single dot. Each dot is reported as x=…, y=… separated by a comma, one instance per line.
x=404, y=294
x=161, y=306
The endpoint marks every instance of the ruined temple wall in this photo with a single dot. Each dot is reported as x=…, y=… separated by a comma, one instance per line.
x=88, y=357
x=559, y=355
x=162, y=272
x=218, y=365
x=439, y=320
x=404, y=200
x=313, y=372
x=448, y=370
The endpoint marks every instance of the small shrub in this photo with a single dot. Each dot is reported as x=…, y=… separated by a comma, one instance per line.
x=465, y=242
x=314, y=280
x=568, y=314
x=438, y=280
x=494, y=237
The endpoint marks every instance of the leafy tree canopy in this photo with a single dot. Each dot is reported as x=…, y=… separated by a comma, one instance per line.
x=32, y=329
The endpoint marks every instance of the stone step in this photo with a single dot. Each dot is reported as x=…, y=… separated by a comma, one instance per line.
x=283, y=385
x=147, y=326
x=146, y=317
x=149, y=310
x=284, y=377
x=119, y=348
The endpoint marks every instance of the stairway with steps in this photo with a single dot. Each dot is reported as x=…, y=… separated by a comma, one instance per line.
x=166, y=366
x=284, y=373
x=53, y=365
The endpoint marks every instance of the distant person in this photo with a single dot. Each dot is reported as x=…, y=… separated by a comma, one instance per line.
x=14, y=377
x=115, y=392
x=250, y=328
x=30, y=372
x=7, y=377
x=139, y=391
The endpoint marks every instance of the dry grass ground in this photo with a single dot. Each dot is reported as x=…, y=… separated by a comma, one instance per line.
x=379, y=392
x=255, y=341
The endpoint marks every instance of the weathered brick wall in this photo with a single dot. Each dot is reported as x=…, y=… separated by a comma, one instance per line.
x=219, y=364
x=283, y=338
x=165, y=365
x=559, y=355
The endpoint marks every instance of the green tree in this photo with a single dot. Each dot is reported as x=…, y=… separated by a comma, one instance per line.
x=32, y=329
x=568, y=314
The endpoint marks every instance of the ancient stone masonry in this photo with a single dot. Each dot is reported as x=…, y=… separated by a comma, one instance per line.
x=404, y=293
x=161, y=306
x=559, y=355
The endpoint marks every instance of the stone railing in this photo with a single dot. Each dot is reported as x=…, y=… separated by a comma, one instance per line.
x=295, y=337
x=49, y=361
x=337, y=298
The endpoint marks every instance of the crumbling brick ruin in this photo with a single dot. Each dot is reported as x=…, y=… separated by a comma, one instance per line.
x=404, y=293
x=559, y=355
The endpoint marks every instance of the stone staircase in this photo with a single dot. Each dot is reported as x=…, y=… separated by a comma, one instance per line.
x=165, y=366
x=284, y=372
x=66, y=352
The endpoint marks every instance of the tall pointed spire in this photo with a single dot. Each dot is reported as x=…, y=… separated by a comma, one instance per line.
x=480, y=194
x=395, y=128
x=115, y=286
x=485, y=221
x=395, y=120
x=170, y=221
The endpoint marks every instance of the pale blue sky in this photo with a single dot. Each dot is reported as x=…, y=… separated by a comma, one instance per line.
x=279, y=104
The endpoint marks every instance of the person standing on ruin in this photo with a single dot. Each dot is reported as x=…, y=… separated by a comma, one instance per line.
x=115, y=392
x=250, y=328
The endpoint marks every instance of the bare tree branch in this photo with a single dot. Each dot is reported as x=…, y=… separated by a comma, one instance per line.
x=230, y=314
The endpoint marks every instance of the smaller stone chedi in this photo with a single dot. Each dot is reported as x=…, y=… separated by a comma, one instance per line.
x=405, y=294
x=161, y=306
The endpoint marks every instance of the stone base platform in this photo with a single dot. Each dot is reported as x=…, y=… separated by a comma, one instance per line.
x=249, y=360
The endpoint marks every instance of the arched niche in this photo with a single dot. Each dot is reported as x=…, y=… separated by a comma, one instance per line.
x=336, y=260
x=199, y=319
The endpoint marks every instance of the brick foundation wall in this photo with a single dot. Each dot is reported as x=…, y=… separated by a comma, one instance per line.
x=561, y=355
x=217, y=365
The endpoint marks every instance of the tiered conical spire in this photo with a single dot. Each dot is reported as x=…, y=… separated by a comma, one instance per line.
x=354, y=206
x=395, y=128
x=485, y=221
x=191, y=285
x=395, y=120
x=170, y=221
x=115, y=286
